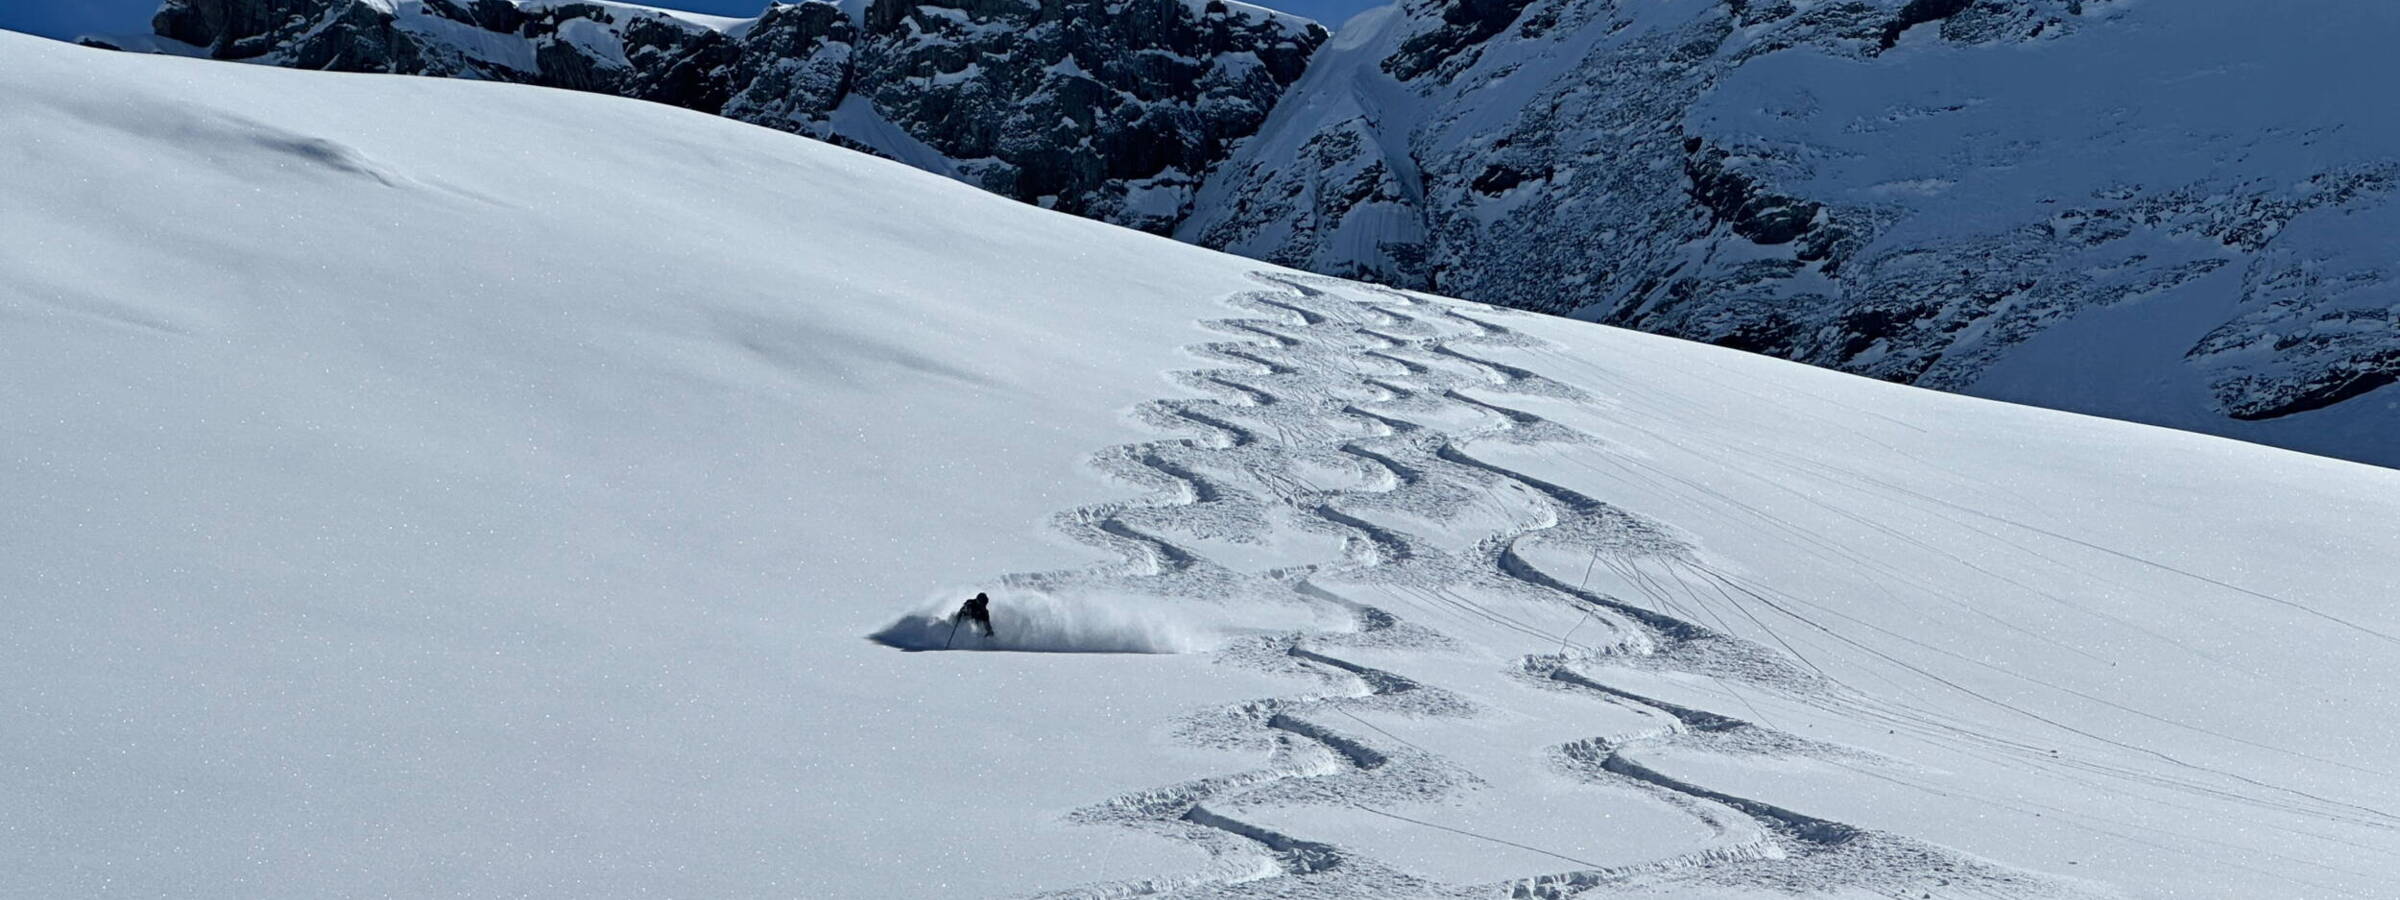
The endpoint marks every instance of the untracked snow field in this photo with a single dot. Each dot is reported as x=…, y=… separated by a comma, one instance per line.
x=428, y=488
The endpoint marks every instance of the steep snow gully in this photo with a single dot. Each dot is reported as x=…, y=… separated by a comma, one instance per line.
x=1346, y=411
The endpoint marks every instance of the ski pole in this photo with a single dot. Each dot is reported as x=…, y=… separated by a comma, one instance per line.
x=953, y=634
x=1562, y=640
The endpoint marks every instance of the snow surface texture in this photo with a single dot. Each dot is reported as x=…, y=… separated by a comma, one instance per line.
x=427, y=487
x=2170, y=212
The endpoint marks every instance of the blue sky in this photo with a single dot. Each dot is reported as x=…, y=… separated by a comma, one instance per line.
x=68, y=18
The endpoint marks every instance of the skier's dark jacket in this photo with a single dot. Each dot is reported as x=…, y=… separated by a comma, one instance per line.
x=978, y=610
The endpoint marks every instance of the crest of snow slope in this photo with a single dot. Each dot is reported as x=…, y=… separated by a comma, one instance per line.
x=2163, y=212
x=429, y=487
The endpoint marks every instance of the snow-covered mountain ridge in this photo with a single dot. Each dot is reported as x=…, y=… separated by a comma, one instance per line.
x=420, y=487
x=1112, y=110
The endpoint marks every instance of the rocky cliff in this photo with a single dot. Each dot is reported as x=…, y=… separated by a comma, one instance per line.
x=2169, y=212
x=1112, y=109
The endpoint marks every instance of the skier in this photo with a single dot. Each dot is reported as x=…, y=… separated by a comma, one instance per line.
x=977, y=610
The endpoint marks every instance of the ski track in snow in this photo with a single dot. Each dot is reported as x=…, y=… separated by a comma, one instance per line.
x=1392, y=371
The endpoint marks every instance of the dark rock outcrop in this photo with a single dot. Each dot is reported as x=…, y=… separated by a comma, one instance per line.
x=1914, y=190
x=1113, y=109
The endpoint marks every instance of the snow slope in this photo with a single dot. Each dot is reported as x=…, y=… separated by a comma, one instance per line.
x=429, y=487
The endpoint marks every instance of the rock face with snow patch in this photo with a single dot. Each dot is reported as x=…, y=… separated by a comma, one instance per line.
x=1112, y=110
x=2108, y=207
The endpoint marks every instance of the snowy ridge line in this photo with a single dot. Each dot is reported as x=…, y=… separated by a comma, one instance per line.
x=1380, y=388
